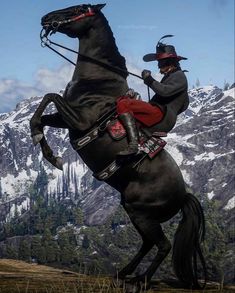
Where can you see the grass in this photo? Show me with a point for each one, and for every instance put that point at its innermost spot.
(20, 277)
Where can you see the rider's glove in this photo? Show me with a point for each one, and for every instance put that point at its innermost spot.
(130, 93)
(133, 95)
(146, 75)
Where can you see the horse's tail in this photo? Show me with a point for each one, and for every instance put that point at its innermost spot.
(190, 233)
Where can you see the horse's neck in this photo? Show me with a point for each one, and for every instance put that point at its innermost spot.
(98, 45)
(94, 88)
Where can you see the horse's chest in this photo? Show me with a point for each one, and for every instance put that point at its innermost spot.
(72, 91)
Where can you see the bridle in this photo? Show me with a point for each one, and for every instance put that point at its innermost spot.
(46, 42)
(56, 24)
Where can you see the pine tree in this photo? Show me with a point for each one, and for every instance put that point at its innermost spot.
(41, 181)
(215, 240)
(39, 226)
(36, 245)
(49, 245)
(85, 242)
(50, 250)
(42, 255)
(67, 250)
(11, 252)
(47, 237)
(78, 216)
(24, 250)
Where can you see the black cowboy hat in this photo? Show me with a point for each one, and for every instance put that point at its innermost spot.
(163, 51)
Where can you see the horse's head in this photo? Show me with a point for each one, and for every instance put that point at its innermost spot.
(72, 21)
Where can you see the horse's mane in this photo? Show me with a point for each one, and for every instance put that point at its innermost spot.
(113, 55)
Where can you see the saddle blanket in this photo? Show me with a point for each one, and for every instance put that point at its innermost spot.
(151, 147)
(148, 146)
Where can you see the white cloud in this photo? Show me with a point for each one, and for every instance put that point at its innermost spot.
(54, 80)
(13, 91)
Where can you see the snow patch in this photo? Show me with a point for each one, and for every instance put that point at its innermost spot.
(16, 166)
(29, 161)
(211, 156)
(205, 156)
(13, 186)
(230, 93)
(175, 153)
(72, 174)
(189, 163)
(18, 209)
(230, 204)
(211, 194)
(187, 178)
(211, 145)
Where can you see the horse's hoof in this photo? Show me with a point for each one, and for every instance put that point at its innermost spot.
(118, 283)
(140, 282)
(37, 138)
(59, 163)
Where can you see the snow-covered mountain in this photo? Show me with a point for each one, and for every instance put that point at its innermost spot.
(202, 143)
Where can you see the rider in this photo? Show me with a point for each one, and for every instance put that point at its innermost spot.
(170, 99)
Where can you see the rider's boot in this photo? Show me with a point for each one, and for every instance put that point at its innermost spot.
(128, 122)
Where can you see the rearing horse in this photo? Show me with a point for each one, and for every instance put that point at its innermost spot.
(152, 193)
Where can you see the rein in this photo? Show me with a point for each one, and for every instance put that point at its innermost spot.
(46, 42)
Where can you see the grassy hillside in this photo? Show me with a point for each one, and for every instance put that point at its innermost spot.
(21, 277)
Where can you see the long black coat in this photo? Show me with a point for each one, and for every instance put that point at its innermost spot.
(171, 96)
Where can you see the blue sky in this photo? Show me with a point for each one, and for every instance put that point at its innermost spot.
(203, 29)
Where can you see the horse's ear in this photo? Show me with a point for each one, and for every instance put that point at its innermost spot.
(98, 7)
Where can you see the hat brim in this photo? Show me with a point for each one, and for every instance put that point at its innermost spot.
(153, 57)
(150, 57)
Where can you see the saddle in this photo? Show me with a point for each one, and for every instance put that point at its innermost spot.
(150, 144)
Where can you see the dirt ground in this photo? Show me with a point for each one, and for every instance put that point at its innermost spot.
(21, 277)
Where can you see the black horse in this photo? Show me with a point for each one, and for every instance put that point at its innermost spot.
(153, 192)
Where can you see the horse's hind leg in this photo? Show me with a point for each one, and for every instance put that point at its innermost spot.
(129, 269)
(153, 232)
(164, 247)
(145, 248)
